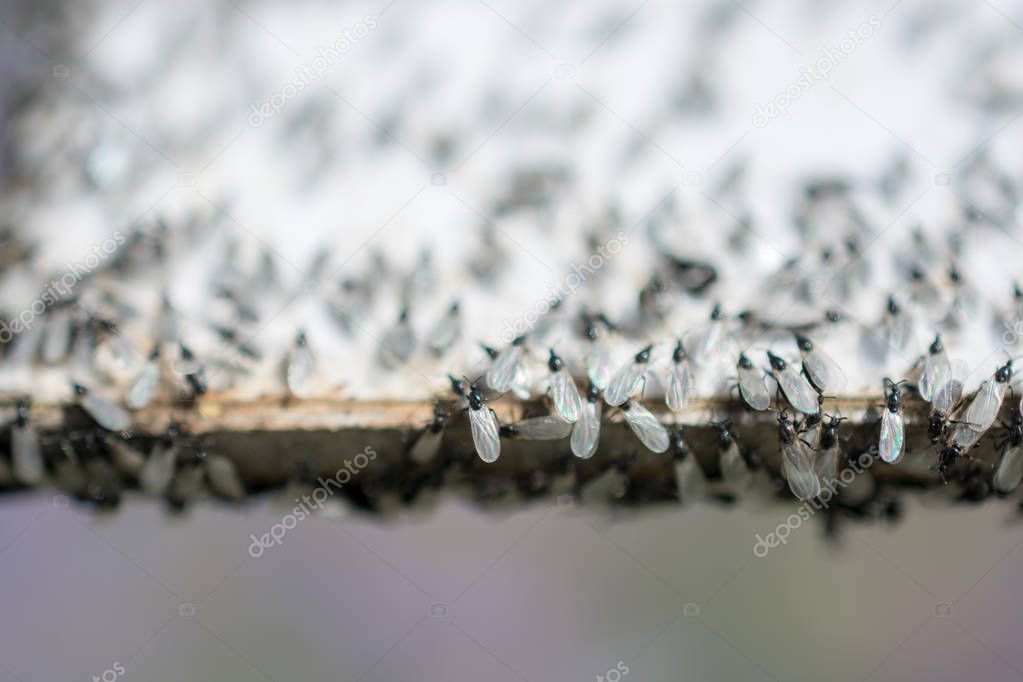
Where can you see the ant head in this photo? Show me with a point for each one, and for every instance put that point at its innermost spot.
(805, 344)
(744, 362)
(457, 385)
(778, 363)
(475, 399)
(936, 345)
(1004, 373)
(679, 354)
(643, 356)
(593, 393)
(554, 362)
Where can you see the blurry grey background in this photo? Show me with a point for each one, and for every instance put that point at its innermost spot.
(540, 593)
(543, 592)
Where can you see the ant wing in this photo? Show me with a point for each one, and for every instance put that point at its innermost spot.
(689, 480)
(110, 416)
(158, 470)
(485, 436)
(824, 372)
(144, 388)
(598, 365)
(646, 427)
(223, 478)
(798, 391)
(799, 470)
(426, 446)
(981, 413)
(299, 371)
(26, 456)
(936, 372)
(892, 436)
(502, 373)
(948, 394)
(566, 396)
(586, 432)
(734, 471)
(1010, 469)
(550, 427)
(680, 386)
(826, 465)
(624, 383)
(753, 388)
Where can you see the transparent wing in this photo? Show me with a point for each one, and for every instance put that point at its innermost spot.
(586, 432)
(900, 332)
(824, 371)
(892, 436)
(58, 336)
(624, 383)
(550, 427)
(1010, 469)
(598, 365)
(502, 373)
(300, 371)
(520, 384)
(646, 427)
(734, 471)
(26, 456)
(110, 416)
(223, 478)
(826, 465)
(565, 395)
(144, 388)
(680, 386)
(754, 389)
(936, 372)
(981, 413)
(445, 333)
(689, 481)
(950, 391)
(965, 436)
(426, 446)
(798, 465)
(399, 342)
(158, 470)
(484, 434)
(798, 391)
